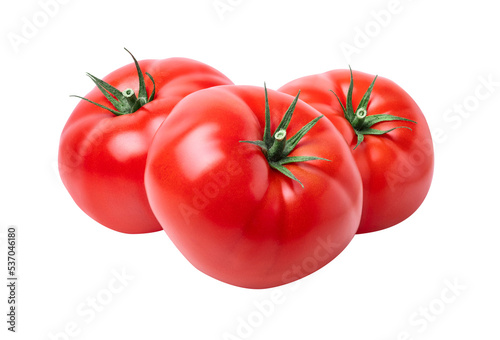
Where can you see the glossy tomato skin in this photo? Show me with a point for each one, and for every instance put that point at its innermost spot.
(102, 156)
(231, 215)
(396, 167)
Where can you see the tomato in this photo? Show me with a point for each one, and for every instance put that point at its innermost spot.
(103, 148)
(388, 135)
(247, 207)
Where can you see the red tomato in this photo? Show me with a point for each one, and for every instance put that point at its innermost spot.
(233, 209)
(102, 155)
(395, 159)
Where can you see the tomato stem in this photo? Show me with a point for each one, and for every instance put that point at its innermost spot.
(360, 121)
(130, 97)
(123, 102)
(276, 147)
(276, 151)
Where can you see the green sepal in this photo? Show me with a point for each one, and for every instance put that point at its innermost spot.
(142, 85)
(279, 165)
(153, 93)
(374, 119)
(268, 138)
(285, 171)
(292, 142)
(369, 131)
(255, 142)
(121, 104)
(366, 97)
(362, 125)
(295, 159)
(283, 125)
(118, 113)
(114, 95)
(277, 150)
(349, 110)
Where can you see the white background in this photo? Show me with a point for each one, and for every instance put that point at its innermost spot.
(389, 285)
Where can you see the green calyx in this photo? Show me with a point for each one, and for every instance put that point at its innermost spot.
(276, 147)
(360, 121)
(123, 102)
